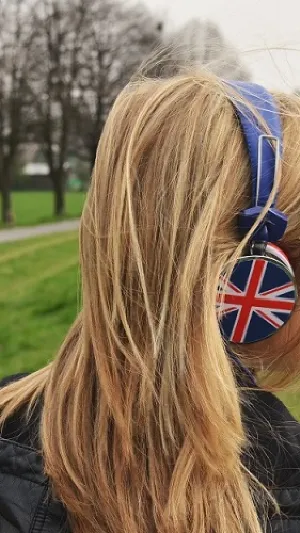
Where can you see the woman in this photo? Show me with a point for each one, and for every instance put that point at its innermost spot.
(149, 420)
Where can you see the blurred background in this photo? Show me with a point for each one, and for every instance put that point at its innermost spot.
(62, 64)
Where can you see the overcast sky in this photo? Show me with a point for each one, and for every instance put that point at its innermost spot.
(250, 25)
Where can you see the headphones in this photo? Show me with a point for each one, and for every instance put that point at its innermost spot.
(261, 293)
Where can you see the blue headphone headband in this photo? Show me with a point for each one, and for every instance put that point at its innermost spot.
(264, 148)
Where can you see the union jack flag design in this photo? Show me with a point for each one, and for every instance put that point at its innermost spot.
(258, 299)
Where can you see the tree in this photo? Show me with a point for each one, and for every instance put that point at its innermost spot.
(201, 44)
(62, 64)
(80, 67)
(120, 39)
(16, 40)
(62, 33)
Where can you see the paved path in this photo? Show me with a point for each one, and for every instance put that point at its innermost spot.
(19, 234)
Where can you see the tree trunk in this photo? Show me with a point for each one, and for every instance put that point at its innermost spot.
(59, 195)
(7, 216)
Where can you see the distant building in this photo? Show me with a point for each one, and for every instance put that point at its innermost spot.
(36, 169)
(33, 173)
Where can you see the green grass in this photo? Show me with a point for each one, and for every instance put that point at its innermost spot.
(292, 401)
(38, 299)
(32, 208)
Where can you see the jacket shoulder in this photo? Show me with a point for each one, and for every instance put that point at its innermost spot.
(274, 437)
(274, 455)
(20, 428)
(26, 501)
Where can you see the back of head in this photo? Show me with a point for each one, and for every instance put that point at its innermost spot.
(155, 236)
(143, 384)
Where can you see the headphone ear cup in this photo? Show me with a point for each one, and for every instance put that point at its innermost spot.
(278, 254)
(259, 298)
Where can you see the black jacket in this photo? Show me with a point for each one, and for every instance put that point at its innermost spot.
(27, 505)
(26, 502)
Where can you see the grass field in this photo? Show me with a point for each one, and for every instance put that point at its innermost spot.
(33, 208)
(38, 299)
(292, 400)
(39, 280)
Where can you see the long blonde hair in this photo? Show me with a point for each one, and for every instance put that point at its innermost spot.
(141, 427)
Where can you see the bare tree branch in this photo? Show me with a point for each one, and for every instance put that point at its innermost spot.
(202, 44)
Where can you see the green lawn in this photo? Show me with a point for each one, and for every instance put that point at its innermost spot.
(38, 299)
(292, 401)
(33, 208)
